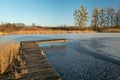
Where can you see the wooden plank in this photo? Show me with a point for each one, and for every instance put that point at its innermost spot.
(52, 41)
(45, 41)
(42, 75)
(35, 64)
(35, 58)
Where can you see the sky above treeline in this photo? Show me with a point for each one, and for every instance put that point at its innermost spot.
(48, 12)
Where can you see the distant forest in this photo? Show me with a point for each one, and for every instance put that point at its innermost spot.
(100, 20)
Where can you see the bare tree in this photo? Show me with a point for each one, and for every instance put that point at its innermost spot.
(117, 18)
(81, 16)
(95, 17)
(102, 18)
(110, 18)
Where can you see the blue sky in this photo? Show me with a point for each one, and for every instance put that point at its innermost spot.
(47, 12)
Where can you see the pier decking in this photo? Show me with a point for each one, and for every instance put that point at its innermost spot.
(32, 63)
(48, 41)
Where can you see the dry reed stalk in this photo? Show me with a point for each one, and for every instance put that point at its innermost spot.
(8, 52)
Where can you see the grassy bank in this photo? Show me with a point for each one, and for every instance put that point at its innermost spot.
(47, 31)
(111, 30)
(8, 52)
(59, 30)
(50, 31)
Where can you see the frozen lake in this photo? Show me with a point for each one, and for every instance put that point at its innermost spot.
(86, 57)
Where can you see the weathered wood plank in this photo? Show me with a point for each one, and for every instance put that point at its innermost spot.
(41, 75)
(36, 64)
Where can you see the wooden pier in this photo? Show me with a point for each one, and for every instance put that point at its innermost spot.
(32, 63)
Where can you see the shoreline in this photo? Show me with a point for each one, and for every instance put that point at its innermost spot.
(48, 31)
(45, 32)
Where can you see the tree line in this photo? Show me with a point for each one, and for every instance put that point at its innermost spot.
(100, 17)
(9, 27)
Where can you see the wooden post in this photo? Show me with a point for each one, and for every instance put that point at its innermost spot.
(42, 52)
(53, 44)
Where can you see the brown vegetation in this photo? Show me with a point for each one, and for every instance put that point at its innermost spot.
(54, 30)
(8, 52)
(9, 28)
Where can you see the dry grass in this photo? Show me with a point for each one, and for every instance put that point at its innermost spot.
(8, 52)
(2, 33)
(112, 30)
(46, 31)
(51, 31)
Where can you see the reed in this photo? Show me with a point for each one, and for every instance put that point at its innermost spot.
(51, 31)
(8, 52)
